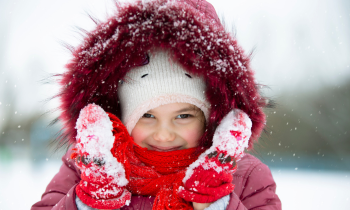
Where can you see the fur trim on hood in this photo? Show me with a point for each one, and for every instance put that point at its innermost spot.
(191, 30)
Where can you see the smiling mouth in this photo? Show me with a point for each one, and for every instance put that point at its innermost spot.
(164, 149)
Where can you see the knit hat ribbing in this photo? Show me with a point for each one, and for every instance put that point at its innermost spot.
(161, 81)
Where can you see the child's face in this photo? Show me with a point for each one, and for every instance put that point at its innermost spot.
(170, 127)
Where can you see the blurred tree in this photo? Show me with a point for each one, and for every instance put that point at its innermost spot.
(310, 129)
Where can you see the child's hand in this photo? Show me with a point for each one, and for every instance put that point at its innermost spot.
(103, 177)
(210, 177)
(207, 185)
(200, 206)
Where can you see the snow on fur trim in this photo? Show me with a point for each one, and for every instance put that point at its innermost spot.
(195, 38)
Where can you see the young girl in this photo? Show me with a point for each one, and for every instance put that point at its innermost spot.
(159, 103)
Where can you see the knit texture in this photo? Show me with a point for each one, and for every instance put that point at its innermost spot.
(207, 185)
(209, 178)
(220, 204)
(162, 181)
(161, 81)
(154, 173)
(166, 162)
(173, 177)
(103, 178)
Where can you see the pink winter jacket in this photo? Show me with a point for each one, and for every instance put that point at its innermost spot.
(254, 188)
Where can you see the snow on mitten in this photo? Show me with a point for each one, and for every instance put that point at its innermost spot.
(103, 180)
(210, 177)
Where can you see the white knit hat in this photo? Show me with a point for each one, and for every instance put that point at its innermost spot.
(161, 81)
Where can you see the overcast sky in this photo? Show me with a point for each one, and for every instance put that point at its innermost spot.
(299, 45)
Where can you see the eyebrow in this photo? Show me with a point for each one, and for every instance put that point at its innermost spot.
(186, 109)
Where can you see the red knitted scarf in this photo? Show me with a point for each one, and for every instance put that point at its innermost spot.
(152, 173)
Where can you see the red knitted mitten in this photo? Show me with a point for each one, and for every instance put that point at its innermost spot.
(206, 186)
(103, 180)
(210, 177)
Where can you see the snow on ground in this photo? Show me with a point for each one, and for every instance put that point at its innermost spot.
(312, 189)
(22, 183)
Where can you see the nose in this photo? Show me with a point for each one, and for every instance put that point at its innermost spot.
(164, 135)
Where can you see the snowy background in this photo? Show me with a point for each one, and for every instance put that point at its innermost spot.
(301, 52)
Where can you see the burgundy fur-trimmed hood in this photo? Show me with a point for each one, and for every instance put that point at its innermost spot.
(191, 30)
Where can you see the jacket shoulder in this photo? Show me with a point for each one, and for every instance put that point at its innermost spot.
(247, 164)
(61, 187)
(68, 175)
(254, 185)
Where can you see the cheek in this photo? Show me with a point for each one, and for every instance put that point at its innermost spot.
(139, 135)
(192, 136)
